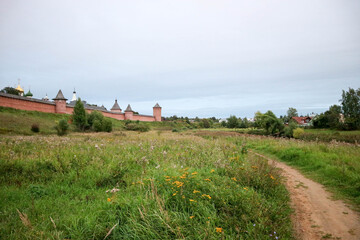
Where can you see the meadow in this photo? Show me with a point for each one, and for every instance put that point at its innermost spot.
(130, 185)
(336, 165)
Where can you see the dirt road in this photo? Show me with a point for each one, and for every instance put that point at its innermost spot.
(316, 215)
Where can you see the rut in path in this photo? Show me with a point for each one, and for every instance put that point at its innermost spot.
(316, 215)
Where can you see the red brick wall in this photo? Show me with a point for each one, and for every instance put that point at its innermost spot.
(143, 118)
(26, 105)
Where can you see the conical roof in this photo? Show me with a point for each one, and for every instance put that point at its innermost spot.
(128, 109)
(29, 94)
(116, 106)
(157, 105)
(19, 88)
(60, 96)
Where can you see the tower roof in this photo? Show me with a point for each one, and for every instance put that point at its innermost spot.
(60, 96)
(128, 109)
(157, 105)
(116, 106)
(19, 88)
(29, 94)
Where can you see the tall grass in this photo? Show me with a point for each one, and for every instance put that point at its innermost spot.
(155, 185)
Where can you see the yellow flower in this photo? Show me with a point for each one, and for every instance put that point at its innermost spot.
(271, 176)
(234, 178)
(245, 188)
(208, 179)
(191, 217)
(183, 197)
(168, 179)
(191, 200)
(219, 230)
(196, 191)
(174, 194)
(205, 195)
(212, 170)
(109, 199)
(194, 173)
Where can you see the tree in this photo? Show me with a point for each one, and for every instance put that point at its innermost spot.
(329, 119)
(10, 90)
(291, 112)
(79, 115)
(205, 123)
(269, 122)
(351, 107)
(232, 122)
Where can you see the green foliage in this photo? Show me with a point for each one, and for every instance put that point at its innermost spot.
(232, 122)
(10, 90)
(79, 116)
(329, 119)
(35, 128)
(107, 125)
(269, 122)
(62, 127)
(148, 186)
(351, 107)
(205, 123)
(136, 126)
(298, 132)
(98, 122)
(288, 131)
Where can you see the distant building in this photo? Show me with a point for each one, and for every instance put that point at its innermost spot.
(302, 121)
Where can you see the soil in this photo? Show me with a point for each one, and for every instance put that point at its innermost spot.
(316, 214)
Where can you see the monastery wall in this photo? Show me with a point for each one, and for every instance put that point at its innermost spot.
(28, 104)
(31, 104)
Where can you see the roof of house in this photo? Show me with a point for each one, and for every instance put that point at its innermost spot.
(60, 96)
(301, 120)
(157, 105)
(116, 106)
(128, 109)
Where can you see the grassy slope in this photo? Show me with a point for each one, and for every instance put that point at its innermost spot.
(13, 121)
(170, 186)
(334, 165)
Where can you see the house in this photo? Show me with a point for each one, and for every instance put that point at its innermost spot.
(302, 121)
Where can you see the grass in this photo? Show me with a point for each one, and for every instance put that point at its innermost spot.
(19, 122)
(154, 185)
(335, 165)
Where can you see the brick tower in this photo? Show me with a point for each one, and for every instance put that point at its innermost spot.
(157, 112)
(60, 103)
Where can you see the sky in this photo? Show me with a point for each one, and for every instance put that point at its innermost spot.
(194, 57)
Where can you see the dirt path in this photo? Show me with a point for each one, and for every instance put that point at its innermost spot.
(316, 215)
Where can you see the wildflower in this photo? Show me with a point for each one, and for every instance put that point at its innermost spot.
(245, 188)
(183, 197)
(219, 230)
(191, 217)
(192, 200)
(212, 170)
(109, 199)
(234, 178)
(271, 176)
(168, 179)
(196, 191)
(207, 179)
(208, 217)
(182, 177)
(205, 195)
(194, 173)
(174, 194)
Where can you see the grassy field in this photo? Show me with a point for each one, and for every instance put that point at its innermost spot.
(155, 185)
(19, 122)
(335, 165)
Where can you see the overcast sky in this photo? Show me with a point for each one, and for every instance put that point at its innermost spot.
(195, 58)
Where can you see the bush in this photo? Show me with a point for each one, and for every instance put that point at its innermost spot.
(107, 125)
(62, 127)
(298, 132)
(79, 116)
(35, 128)
(97, 125)
(289, 130)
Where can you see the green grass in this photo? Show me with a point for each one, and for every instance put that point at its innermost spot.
(18, 122)
(168, 186)
(335, 165)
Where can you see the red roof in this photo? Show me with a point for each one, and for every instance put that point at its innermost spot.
(302, 120)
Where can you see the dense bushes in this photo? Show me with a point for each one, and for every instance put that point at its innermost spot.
(62, 127)
(35, 128)
(136, 126)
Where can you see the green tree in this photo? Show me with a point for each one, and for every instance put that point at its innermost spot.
(79, 116)
(62, 127)
(232, 122)
(269, 122)
(205, 123)
(351, 107)
(329, 119)
(10, 90)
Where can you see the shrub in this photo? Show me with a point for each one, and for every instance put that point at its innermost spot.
(107, 125)
(289, 130)
(137, 127)
(62, 127)
(298, 132)
(35, 128)
(97, 125)
(79, 115)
